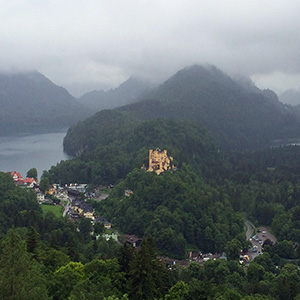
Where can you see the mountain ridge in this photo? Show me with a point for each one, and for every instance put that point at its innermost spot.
(236, 118)
(127, 92)
(228, 111)
(31, 103)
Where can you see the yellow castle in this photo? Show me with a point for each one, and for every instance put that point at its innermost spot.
(159, 161)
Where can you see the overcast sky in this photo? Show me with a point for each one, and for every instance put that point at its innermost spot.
(94, 44)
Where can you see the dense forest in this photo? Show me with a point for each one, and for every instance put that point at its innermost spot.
(114, 153)
(177, 209)
(54, 258)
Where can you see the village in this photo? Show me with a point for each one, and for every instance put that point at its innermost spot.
(70, 200)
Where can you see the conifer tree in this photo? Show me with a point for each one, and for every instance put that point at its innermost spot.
(32, 241)
(148, 278)
(20, 277)
(32, 173)
(126, 258)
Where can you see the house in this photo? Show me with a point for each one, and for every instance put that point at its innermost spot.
(106, 224)
(16, 176)
(89, 215)
(128, 192)
(81, 209)
(40, 197)
(61, 194)
(195, 255)
(133, 240)
(26, 182)
(30, 182)
(81, 188)
(112, 236)
(51, 190)
(73, 193)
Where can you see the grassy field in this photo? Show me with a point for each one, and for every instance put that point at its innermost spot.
(56, 209)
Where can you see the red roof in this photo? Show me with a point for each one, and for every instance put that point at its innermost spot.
(16, 175)
(29, 180)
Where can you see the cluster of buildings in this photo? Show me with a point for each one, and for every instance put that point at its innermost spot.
(80, 208)
(25, 182)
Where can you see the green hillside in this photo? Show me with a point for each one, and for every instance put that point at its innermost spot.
(177, 209)
(119, 146)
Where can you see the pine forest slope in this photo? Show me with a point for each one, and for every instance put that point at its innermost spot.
(119, 147)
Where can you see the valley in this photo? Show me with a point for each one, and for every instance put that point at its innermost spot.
(186, 162)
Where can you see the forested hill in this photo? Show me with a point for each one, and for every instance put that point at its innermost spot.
(31, 103)
(120, 146)
(238, 116)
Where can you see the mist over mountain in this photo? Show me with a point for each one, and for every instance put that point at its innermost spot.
(235, 116)
(291, 97)
(126, 93)
(31, 103)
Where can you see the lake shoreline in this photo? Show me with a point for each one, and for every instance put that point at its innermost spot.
(40, 151)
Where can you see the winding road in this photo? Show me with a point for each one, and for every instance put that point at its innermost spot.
(250, 230)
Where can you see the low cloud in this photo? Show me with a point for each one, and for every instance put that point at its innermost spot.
(85, 45)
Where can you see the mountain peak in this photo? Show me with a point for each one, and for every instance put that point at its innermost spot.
(36, 102)
(202, 75)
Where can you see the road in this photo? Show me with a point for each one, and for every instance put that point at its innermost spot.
(66, 208)
(250, 230)
(262, 234)
(101, 197)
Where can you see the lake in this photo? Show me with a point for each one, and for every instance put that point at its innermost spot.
(40, 151)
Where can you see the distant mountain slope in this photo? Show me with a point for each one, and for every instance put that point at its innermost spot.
(291, 97)
(126, 93)
(237, 117)
(32, 103)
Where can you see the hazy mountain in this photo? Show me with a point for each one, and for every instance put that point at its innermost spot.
(31, 103)
(291, 97)
(248, 85)
(238, 118)
(126, 93)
